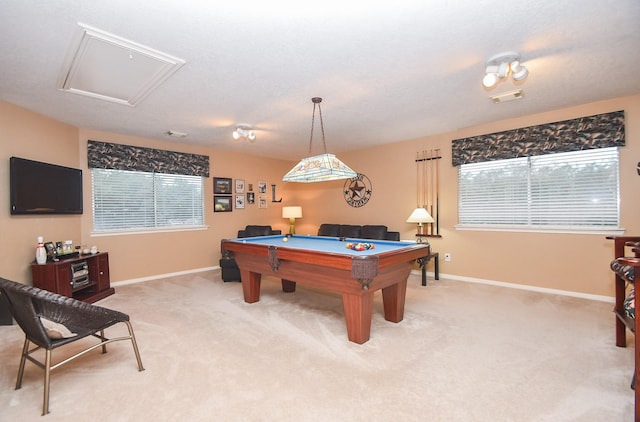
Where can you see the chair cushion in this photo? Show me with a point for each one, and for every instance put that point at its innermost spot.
(348, 230)
(374, 232)
(56, 330)
(624, 271)
(332, 230)
(629, 304)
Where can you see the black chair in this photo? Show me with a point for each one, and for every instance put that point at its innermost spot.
(50, 320)
(331, 230)
(379, 232)
(228, 266)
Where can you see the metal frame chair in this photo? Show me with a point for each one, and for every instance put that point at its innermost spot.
(28, 304)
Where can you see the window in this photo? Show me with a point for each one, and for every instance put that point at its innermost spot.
(569, 190)
(134, 200)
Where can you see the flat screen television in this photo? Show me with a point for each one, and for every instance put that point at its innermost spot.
(43, 188)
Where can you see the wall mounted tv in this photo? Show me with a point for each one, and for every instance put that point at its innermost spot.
(43, 188)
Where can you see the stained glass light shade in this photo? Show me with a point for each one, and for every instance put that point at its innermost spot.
(319, 168)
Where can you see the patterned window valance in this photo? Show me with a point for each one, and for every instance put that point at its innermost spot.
(599, 131)
(105, 155)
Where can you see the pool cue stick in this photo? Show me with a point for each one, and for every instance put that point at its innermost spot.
(425, 193)
(422, 176)
(431, 185)
(418, 184)
(437, 191)
(421, 193)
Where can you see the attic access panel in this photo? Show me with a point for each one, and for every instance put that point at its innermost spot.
(111, 68)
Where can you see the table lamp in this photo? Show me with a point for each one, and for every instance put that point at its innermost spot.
(292, 213)
(420, 215)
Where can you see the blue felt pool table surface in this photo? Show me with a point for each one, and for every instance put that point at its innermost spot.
(326, 244)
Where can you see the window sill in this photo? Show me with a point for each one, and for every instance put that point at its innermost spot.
(608, 231)
(100, 233)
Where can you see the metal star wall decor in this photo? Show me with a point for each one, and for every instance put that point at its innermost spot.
(357, 191)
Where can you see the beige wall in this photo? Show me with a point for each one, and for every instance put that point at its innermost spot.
(572, 262)
(31, 136)
(576, 263)
(143, 255)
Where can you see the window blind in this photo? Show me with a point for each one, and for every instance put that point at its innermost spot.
(573, 189)
(130, 200)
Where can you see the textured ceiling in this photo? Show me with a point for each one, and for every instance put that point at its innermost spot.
(387, 71)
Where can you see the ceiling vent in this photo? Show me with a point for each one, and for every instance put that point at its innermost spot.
(111, 68)
(507, 96)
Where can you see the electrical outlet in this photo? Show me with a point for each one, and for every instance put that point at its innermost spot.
(447, 257)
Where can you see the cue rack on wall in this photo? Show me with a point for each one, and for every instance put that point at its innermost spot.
(428, 187)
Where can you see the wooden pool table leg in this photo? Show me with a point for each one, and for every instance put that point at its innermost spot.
(250, 285)
(358, 311)
(393, 298)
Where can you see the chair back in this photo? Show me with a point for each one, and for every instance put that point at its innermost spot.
(374, 232)
(22, 304)
(332, 230)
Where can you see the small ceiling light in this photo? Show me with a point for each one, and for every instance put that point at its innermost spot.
(245, 132)
(319, 168)
(490, 79)
(518, 72)
(500, 66)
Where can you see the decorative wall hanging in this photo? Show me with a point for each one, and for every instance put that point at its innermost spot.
(273, 194)
(262, 186)
(222, 203)
(239, 185)
(222, 185)
(428, 189)
(239, 202)
(357, 191)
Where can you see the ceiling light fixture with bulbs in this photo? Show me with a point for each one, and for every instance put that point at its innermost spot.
(319, 168)
(245, 132)
(500, 66)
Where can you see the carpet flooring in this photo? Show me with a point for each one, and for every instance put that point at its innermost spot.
(464, 352)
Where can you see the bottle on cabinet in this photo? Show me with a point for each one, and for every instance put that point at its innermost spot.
(41, 252)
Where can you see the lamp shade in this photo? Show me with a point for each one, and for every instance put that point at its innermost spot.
(420, 215)
(292, 212)
(319, 168)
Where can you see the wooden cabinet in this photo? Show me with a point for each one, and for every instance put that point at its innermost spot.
(84, 278)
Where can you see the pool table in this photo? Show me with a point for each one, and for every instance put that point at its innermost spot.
(327, 263)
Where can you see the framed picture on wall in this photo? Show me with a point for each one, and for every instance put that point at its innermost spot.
(222, 185)
(262, 186)
(239, 185)
(222, 203)
(262, 202)
(251, 198)
(239, 202)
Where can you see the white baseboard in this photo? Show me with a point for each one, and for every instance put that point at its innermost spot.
(599, 298)
(431, 276)
(155, 277)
